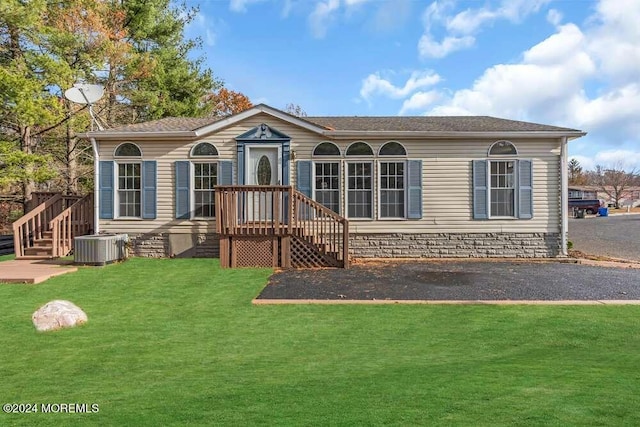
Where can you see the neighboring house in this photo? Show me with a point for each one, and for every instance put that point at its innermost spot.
(583, 192)
(408, 186)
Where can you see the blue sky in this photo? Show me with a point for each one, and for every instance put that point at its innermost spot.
(573, 63)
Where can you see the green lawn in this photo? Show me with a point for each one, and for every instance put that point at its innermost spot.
(177, 342)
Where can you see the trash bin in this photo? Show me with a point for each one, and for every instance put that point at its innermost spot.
(603, 211)
(580, 213)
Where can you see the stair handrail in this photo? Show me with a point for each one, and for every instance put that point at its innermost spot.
(76, 220)
(319, 226)
(34, 223)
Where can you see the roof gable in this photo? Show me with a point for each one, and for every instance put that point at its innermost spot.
(264, 132)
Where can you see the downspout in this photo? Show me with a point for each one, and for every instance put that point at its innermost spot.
(564, 194)
(96, 188)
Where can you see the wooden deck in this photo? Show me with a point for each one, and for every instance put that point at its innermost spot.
(277, 226)
(32, 271)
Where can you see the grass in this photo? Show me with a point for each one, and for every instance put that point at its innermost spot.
(177, 342)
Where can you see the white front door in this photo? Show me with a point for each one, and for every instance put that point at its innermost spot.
(263, 167)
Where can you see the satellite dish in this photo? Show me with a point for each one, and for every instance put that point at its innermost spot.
(83, 93)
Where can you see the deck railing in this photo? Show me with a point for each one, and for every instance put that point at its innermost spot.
(279, 210)
(76, 220)
(253, 210)
(321, 227)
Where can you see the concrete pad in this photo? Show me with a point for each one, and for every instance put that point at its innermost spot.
(32, 271)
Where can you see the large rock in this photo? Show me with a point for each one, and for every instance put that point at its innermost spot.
(58, 314)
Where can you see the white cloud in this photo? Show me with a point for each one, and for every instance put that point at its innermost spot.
(428, 47)
(419, 101)
(554, 17)
(207, 28)
(321, 17)
(241, 5)
(618, 158)
(376, 84)
(555, 82)
(461, 27)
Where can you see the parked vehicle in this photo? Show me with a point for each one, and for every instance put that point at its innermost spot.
(590, 206)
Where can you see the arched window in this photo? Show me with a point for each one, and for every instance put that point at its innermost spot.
(128, 149)
(392, 179)
(392, 148)
(204, 149)
(359, 149)
(502, 148)
(326, 149)
(128, 180)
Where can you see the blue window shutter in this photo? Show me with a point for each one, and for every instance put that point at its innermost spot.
(225, 172)
(414, 180)
(106, 189)
(525, 189)
(480, 199)
(149, 197)
(183, 190)
(303, 177)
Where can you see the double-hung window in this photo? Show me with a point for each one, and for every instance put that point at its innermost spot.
(129, 190)
(503, 188)
(205, 178)
(392, 195)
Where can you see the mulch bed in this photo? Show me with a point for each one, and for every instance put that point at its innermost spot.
(456, 280)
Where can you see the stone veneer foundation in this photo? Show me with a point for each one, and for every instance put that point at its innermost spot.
(455, 245)
(174, 245)
(388, 245)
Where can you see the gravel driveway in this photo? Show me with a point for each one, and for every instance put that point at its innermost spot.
(458, 280)
(613, 236)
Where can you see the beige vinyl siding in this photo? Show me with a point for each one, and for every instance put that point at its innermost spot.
(446, 191)
(447, 188)
(166, 152)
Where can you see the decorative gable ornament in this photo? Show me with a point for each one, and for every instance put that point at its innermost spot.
(264, 132)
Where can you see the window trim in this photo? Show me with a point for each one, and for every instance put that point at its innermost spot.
(349, 156)
(390, 156)
(373, 189)
(515, 149)
(323, 156)
(115, 150)
(392, 159)
(192, 187)
(203, 156)
(116, 174)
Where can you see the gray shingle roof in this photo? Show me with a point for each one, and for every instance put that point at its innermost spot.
(432, 124)
(366, 123)
(168, 124)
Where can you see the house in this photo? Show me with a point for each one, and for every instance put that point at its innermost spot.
(244, 187)
(583, 192)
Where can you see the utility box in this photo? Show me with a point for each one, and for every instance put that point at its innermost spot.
(101, 249)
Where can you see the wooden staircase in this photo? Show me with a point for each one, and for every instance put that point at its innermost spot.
(278, 226)
(48, 230)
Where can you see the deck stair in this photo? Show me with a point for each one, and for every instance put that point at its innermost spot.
(278, 226)
(48, 230)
